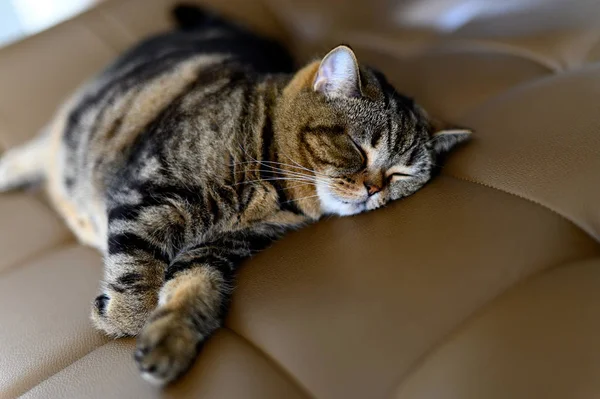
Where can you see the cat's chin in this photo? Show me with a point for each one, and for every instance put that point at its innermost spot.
(332, 205)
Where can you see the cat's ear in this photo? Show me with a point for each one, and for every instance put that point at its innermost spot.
(444, 136)
(444, 140)
(338, 74)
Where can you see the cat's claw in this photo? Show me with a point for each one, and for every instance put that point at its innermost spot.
(166, 348)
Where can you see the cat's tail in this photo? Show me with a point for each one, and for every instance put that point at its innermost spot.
(25, 165)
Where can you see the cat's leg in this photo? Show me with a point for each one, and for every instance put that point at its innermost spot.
(140, 241)
(192, 305)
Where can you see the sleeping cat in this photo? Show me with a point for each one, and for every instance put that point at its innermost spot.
(197, 149)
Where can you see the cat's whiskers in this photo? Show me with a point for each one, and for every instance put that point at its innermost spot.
(332, 185)
(294, 174)
(274, 178)
(297, 165)
(300, 175)
(304, 181)
(322, 181)
(299, 199)
(304, 175)
(302, 168)
(297, 185)
(268, 163)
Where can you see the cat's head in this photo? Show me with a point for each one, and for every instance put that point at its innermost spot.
(366, 143)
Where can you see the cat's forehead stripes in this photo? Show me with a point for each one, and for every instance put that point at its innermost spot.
(377, 157)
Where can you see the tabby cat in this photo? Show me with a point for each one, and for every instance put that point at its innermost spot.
(197, 149)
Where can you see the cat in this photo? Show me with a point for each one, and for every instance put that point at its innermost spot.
(197, 149)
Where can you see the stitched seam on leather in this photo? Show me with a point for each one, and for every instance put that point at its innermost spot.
(470, 318)
(473, 46)
(510, 49)
(282, 371)
(110, 16)
(523, 86)
(99, 38)
(38, 254)
(534, 201)
(77, 359)
(276, 365)
(500, 49)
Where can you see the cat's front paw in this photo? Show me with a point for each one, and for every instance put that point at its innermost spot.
(166, 347)
(119, 315)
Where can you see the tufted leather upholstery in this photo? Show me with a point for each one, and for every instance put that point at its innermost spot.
(486, 284)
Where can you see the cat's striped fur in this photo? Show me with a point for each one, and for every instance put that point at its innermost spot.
(195, 150)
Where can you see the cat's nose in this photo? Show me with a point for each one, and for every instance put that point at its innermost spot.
(372, 189)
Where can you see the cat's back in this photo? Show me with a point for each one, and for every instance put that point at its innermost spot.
(139, 85)
(95, 132)
(107, 115)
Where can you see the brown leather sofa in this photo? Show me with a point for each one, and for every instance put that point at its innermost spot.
(484, 285)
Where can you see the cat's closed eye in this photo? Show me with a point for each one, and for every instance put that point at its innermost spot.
(361, 151)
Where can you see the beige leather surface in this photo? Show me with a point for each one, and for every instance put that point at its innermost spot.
(547, 150)
(28, 229)
(483, 285)
(43, 306)
(537, 341)
(229, 368)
